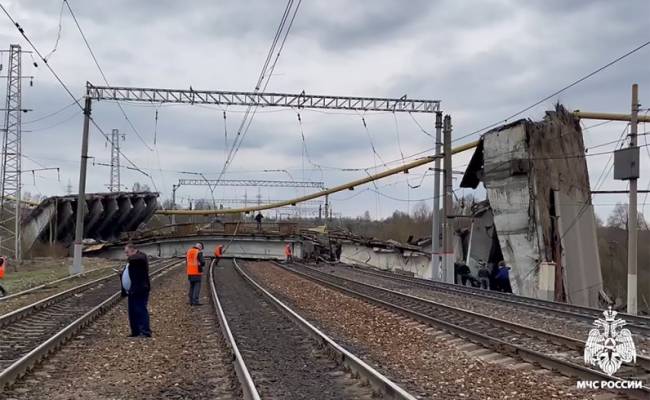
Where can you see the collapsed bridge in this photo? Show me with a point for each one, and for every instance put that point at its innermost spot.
(107, 216)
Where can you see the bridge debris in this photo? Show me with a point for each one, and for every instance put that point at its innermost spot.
(537, 183)
(107, 216)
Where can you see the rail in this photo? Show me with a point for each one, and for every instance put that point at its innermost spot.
(378, 381)
(479, 337)
(21, 366)
(48, 284)
(244, 377)
(640, 323)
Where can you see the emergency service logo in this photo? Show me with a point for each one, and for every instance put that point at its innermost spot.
(608, 346)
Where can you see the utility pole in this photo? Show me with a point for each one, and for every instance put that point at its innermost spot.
(448, 247)
(327, 207)
(10, 235)
(436, 273)
(77, 266)
(632, 214)
(114, 185)
(174, 188)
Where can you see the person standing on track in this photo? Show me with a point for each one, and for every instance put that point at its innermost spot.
(288, 253)
(503, 278)
(3, 267)
(195, 263)
(136, 285)
(218, 253)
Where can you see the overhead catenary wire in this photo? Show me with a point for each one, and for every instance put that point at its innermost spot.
(101, 71)
(555, 93)
(265, 73)
(52, 114)
(58, 33)
(62, 84)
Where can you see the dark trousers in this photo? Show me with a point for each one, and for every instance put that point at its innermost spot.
(503, 285)
(195, 288)
(138, 314)
(4, 292)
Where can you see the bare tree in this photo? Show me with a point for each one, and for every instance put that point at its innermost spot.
(618, 218)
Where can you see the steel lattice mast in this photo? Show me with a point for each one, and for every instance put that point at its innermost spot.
(114, 185)
(11, 159)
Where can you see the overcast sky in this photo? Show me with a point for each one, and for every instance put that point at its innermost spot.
(483, 59)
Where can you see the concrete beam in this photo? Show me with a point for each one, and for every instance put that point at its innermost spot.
(240, 247)
(110, 213)
(95, 214)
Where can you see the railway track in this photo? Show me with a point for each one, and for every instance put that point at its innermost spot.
(551, 351)
(31, 333)
(279, 355)
(637, 324)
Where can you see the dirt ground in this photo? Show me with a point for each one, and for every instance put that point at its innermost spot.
(185, 359)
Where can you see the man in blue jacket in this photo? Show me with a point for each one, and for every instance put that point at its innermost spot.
(136, 285)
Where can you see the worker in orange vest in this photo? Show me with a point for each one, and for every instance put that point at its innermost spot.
(195, 263)
(3, 265)
(218, 253)
(288, 253)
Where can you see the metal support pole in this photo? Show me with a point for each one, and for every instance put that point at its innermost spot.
(327, 207)
(77, 267)
(174, 188)
(469, 245)
(448, 249)
(436, 273)
(632, 215)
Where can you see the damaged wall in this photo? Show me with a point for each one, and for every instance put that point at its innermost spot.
(392, 259)
(537, 185)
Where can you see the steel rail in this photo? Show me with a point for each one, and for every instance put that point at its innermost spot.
(378, 381)
(498, 345)
(581, 312)
(245, 380)
(22, 312)
(48, 284)
(21, 366)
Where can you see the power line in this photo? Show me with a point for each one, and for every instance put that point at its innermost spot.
(63, 85)
(246, 121)
(101, 71)
(52, 113)
(574, 83)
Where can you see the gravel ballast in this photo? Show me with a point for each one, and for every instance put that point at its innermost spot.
(423, 360)
(559, 324)
(185, 359)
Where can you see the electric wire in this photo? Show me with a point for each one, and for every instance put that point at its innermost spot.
(63, 85)
(101, 71)
(58, 33)
(52, 113)
(574, 83)
(246, 121)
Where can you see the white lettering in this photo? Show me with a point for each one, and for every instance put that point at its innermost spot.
(595, 385)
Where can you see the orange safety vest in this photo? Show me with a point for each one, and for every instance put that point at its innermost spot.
(192, 259)
(218, 251)
(2, 271)
(287, 250)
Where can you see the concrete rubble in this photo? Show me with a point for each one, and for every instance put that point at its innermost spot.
(107, 216)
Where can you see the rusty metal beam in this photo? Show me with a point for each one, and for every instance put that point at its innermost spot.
(346, 186)
(609, 116)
